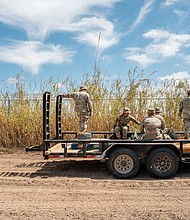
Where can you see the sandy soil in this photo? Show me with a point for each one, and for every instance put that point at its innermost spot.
(33, 188)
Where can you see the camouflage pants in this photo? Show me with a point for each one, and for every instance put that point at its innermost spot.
(124, 130)
(83, 120)
(152, 134)
(187, 127)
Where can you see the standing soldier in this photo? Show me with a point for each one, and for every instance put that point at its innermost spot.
(184, 107)
(83, 106)
(151, 126)
(121, 123)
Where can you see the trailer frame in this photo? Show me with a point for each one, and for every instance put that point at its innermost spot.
(128, 153)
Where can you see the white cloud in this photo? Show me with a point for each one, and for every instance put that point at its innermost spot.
(170, 2)
(165, 45)
(90, 28)
(176, 76)
(145, 9)
(138, 55)
(40, 18)
(182, 15)
(31, 55)
(157, 35)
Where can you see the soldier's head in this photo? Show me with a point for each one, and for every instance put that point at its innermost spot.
(157, 110)
(83, 88)
(151, 111)
(126, 111)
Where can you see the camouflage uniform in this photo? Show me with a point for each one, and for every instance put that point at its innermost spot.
(157, 114)
(83, 106)
(121, 124)
(184, 107)
(151, 126)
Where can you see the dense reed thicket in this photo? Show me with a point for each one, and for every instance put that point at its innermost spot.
(21, 107)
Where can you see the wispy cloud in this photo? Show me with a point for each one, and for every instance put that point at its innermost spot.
(31, 55)
(41, 18)
(84, 19)
(145, 9)
(176, 76)
(170, 2)
(88, 30)
(182, 15)
(164, 45)
(138, 55)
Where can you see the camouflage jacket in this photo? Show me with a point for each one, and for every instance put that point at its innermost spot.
(122, 120)
(151, 126)
(163, 125)
(82, 100)
(184, 107)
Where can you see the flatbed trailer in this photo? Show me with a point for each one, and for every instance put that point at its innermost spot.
(123, 156)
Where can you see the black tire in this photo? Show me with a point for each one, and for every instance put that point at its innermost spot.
(123, 163)
(162, 163)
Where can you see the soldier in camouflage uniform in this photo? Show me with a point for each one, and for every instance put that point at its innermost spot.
(184, 107)
(121, 123)
(157, 114)
(83, 106)
(151, 126)
(167, 132)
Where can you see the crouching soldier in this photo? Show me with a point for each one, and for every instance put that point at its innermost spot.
(151, 126)
(121, 126)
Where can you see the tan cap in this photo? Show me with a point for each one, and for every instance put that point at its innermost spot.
(82, 88)
(188, 90)
(126, 110)
(157, 109)
(151, 110)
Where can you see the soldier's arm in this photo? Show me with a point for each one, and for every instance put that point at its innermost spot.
(163, 125)
(116, 121)
(134, 120)
(69, 95)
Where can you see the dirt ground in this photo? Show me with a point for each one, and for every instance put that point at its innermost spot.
(34, 188)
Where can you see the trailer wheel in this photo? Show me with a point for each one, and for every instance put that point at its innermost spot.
(162, 163)
(123, 163)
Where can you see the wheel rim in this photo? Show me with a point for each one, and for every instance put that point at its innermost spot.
(162, 163)
(123, 164)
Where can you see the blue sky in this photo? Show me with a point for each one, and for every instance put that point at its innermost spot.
(59, 38)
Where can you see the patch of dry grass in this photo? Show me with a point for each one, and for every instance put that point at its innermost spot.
(21, 119)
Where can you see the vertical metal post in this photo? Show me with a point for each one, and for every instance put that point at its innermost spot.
(46, 116)
(65, 149)
(84, 150)
(58, 117)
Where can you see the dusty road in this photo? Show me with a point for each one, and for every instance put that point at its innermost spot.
(32, 188)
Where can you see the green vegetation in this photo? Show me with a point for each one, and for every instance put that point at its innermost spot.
(21, 108)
